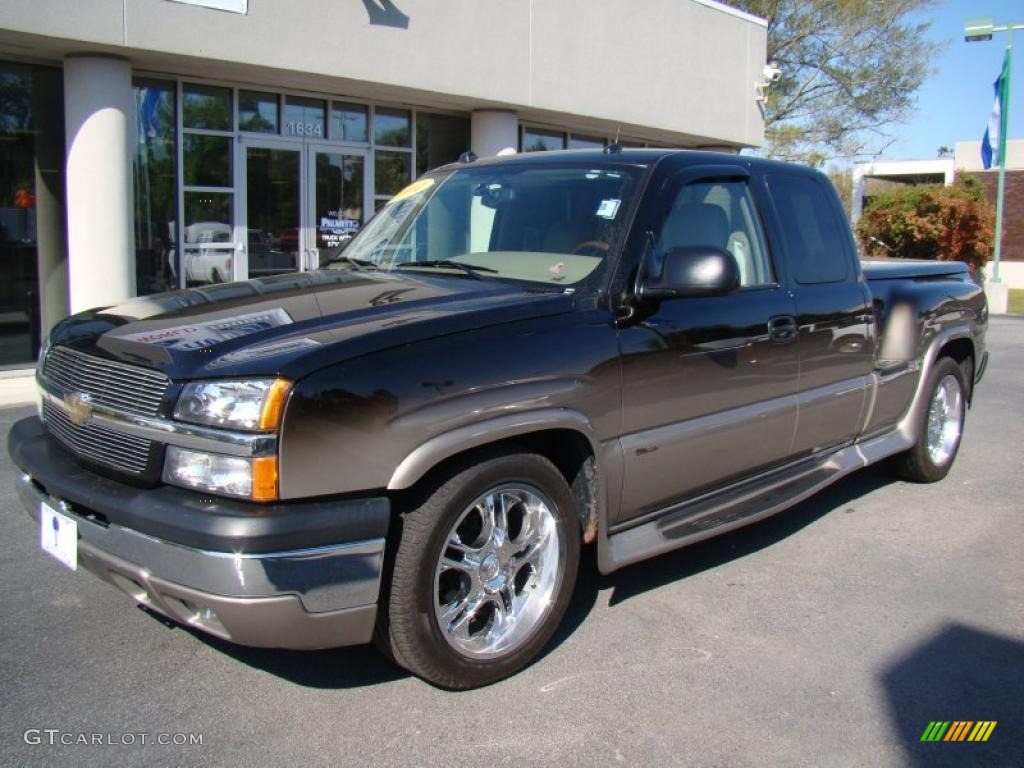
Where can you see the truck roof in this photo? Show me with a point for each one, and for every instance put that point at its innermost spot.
(642, 157)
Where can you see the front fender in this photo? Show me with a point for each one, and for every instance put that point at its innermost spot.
(431, 453)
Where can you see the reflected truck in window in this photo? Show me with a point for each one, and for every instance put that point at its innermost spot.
(515, 358)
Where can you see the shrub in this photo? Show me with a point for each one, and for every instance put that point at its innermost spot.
(930, 221)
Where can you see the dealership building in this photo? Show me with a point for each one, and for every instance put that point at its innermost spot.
(148, 145)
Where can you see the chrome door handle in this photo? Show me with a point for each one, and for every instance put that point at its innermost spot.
(782, 329)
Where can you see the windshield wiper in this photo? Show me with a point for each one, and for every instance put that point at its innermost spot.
(469, 269)
(358, 264)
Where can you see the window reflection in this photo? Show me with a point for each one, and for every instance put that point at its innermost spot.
(272, 205)
(304, 117)
(537, 140)
(257, 112)
(155, 199)
(391, 127)
(207, 160)
(19, 289)
(206, 106)
(393, 171)
(209, 250)
(339, 200)
(349, 122)
(585, 142)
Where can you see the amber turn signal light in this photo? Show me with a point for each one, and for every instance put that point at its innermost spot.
(273, 404)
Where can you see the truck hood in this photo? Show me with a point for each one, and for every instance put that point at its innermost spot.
(291, 325)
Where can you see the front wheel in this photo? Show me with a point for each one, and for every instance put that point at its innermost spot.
(940, 425)
(484, 571)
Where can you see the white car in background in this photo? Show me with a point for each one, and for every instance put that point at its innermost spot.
(209, 251)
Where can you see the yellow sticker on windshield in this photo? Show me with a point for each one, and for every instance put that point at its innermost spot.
(412, 189)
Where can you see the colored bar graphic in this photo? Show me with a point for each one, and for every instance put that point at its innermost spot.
(958, 730)
(982, 730)
(935, 730)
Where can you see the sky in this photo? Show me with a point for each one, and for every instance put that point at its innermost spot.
(955, 101)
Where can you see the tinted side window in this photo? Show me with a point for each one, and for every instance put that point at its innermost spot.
(816, 245)
(720, 214)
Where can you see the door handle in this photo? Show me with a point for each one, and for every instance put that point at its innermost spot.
(782, 329)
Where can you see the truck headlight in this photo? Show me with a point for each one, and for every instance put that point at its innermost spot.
(246, 478)
(253, 405)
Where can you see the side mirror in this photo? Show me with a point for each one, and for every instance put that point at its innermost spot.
(691, 271)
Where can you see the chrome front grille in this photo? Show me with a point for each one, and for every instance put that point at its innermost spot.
(114, 385)
(104, 383)
(117, 450)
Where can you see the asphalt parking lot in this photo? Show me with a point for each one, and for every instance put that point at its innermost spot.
(829, 635)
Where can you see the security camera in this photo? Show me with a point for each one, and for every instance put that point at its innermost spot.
(771, 72)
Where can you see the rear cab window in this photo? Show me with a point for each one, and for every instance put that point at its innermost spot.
(816, 244)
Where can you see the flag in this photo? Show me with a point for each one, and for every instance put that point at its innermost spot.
(993, 145)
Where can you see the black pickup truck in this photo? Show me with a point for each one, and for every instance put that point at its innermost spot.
(516, 357)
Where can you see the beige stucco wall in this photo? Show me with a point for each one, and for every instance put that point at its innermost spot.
(680, 71)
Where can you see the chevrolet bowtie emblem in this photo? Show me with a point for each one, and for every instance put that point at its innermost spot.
(77, 407)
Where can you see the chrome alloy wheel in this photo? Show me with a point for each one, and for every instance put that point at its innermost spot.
(944, 418)
(499, 571)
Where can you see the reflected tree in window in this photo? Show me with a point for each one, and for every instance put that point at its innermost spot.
(155, 188)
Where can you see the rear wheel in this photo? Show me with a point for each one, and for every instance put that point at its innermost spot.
(940, 425)
(483, 572)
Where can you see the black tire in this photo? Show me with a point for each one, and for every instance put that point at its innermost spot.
(409, 628)
(917, 464)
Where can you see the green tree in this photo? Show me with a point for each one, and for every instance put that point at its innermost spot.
(850, 72)
(930, 221)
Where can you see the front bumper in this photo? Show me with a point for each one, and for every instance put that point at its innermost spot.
(256, 575)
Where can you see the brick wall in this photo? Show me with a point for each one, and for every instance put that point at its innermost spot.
(1013, 210)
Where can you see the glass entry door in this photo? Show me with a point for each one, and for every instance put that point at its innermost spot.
(338, 191)
(272, 215)
(301, 202)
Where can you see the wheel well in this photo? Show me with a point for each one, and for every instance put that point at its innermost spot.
(962, 351)
(567, 449)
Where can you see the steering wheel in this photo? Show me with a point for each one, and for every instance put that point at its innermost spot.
(588, 245)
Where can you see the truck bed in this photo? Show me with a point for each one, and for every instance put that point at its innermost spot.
(899, 269)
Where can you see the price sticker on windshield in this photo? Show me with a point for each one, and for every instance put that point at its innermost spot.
(608, 209)
(412, 189)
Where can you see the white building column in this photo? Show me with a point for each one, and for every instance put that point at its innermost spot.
(491, 131)
(99, 124)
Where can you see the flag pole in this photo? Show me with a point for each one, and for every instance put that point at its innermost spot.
(1004, 118)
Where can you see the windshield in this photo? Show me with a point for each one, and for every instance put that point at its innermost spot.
(552, 224)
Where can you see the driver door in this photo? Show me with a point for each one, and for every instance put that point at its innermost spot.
(710, 383)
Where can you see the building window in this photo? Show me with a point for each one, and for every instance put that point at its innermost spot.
(576, 141)
(391, 127)
(538, 140)
(305, 117)
(350, 122)
(156, 190)
(440, 139)
(189, 191)
(31, 203)
(392, 170)
(206, 107)
(258, 112)
(208, 184)
(393, 152)
(207, 160)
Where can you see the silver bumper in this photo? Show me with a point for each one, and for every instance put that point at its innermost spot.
(302, 599)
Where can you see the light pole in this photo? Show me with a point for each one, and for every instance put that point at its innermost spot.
(978, 30)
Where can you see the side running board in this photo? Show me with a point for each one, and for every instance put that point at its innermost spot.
(729, 508)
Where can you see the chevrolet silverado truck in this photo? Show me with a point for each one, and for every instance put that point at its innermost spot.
(516, 357)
